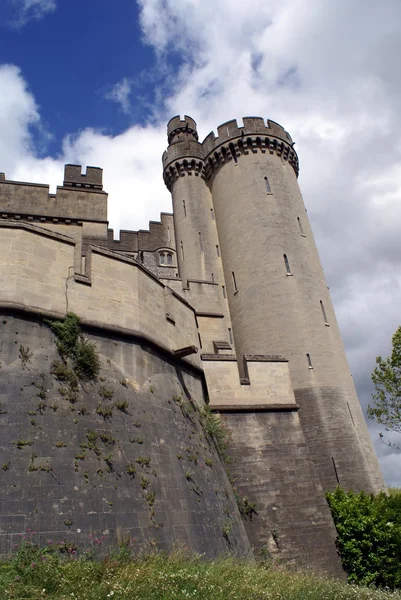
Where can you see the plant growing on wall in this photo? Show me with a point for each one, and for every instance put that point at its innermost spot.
(74, 348)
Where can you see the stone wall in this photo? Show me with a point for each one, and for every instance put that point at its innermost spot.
(271, 466)
(63, 491)
(115, 291)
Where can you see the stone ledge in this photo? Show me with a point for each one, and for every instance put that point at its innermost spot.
(254, 407)
(82, 279)
(96, 326)
(221, 345)
(38, 230)
(50, 218)
(203, 281)
(264, 358)
(219, 357)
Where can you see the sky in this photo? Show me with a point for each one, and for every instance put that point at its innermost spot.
(95, 82)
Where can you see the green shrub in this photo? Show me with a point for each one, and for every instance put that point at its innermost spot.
(245, 506)
(86, 359)
(105, 392)
(369, 536)
(122, 405)
(131, 470)
(104, 411)
(217, 429)
(72, 346)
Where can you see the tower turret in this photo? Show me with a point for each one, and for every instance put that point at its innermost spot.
(195, 231)
(278, 296)
(278, 299)
(178, 129)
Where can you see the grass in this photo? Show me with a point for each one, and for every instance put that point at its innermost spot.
(59, 575)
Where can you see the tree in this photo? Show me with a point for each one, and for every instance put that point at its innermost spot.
(368, 536)
(386, 377)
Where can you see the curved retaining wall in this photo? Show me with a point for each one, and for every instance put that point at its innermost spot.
(62, 491)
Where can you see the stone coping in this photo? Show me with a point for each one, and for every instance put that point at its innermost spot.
(98, 327)
(232, 408)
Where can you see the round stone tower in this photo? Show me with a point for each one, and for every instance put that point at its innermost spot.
(192, 203)
(277, 294)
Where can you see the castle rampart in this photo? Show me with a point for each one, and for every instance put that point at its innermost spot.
(115, 291)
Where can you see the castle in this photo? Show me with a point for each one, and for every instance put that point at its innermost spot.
(225, 303)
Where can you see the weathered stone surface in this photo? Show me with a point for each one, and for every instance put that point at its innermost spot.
(56, 488)
(272, 468)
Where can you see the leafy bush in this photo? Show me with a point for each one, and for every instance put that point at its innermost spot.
(217, 429)
(369, 536)
(72, 345)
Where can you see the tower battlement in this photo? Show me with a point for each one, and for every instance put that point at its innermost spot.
(252, 126)
(93, 178)
(178, 129)
(185, 155)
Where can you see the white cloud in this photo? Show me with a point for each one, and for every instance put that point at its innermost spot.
(31, 10)
(326, 71)
(120, 93)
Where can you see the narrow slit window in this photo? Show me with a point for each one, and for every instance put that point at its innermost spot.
(300, 227)
(212, 213)
(200, 242)
(335, 470)
(308, 358)
(223, 287)
(217, 251)
(182, 250)
(267, 184)
(352, 418)
(168, 234)
(287, 265)
(184, 207)
(234, 282)
(230, 335)
(213, 277)
(323, 313)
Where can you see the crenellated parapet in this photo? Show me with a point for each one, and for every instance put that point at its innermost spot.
(182, 167)
(92, 179)
(178, 129)
(186, 156)
(233, 149)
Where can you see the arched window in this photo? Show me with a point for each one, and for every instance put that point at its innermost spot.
(166, 258)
